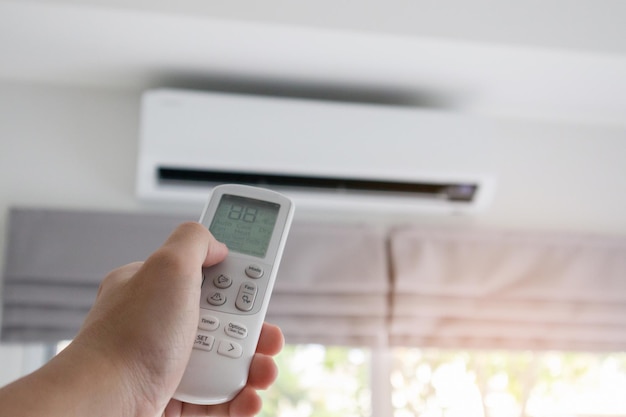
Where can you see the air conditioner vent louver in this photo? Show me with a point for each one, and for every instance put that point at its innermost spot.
(461, 192)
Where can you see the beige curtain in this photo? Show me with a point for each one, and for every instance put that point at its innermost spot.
(332, 286)
(508, 290)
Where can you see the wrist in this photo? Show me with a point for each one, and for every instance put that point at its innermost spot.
(75, 383)
(71, 384)
(95, 384)
(108, 385)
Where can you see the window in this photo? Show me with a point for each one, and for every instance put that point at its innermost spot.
(336, 381)
(317, 381)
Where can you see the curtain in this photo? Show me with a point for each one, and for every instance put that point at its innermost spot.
(513, 290)
(331, 288)
(341, 284)
(55, 261)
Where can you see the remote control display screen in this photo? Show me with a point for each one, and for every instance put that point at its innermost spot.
(245, 225)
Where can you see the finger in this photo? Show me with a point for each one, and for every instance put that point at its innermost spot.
(271, 340)
(246, 404)
(263, 372)
(188, 248)
(196, 241)
(173, 409)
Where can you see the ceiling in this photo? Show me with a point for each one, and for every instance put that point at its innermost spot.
(558, 60)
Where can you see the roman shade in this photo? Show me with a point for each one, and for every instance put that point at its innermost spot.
(56, 259)
(342, 284)
(331, 288)
(510, 290)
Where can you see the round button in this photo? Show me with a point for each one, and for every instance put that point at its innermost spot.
(254, 271)
(222, 281)
(216, 298)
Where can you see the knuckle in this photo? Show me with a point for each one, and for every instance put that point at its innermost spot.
(191, 227)
(167, 259)
(118, 276)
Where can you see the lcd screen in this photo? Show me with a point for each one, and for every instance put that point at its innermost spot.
(245, 225)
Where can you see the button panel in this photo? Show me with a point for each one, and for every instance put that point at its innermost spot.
(235, 286)
(206, 336)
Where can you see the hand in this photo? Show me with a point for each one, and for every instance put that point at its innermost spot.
(247, 403)
(131, 352)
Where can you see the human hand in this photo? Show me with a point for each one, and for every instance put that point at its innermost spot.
(247, 403)
(148, 313)
(133, 347)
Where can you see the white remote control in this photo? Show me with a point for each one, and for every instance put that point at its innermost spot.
(254, 224)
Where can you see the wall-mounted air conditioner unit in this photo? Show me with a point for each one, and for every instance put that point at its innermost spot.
(325, 154)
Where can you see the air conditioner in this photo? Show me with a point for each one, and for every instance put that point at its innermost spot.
(325, 154)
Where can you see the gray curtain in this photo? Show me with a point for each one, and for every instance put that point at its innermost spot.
(332, 285)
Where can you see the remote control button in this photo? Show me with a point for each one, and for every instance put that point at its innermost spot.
(248, 287)
(208, 322)
(216, 298)
(254, 271)
(236, 330)
(230, 349)
(222, 281)
(204, 341)
(246, 296)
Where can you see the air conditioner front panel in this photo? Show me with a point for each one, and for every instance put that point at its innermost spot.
(218, 132)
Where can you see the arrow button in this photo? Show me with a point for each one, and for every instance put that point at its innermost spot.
(229, 349)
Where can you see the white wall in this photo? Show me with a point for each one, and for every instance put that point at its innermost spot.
(67, 148)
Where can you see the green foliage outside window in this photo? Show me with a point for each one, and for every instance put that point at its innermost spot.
(319, 381)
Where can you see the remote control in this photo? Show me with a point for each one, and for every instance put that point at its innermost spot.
(254, 224)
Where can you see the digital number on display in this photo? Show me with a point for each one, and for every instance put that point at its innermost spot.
(245, 225)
